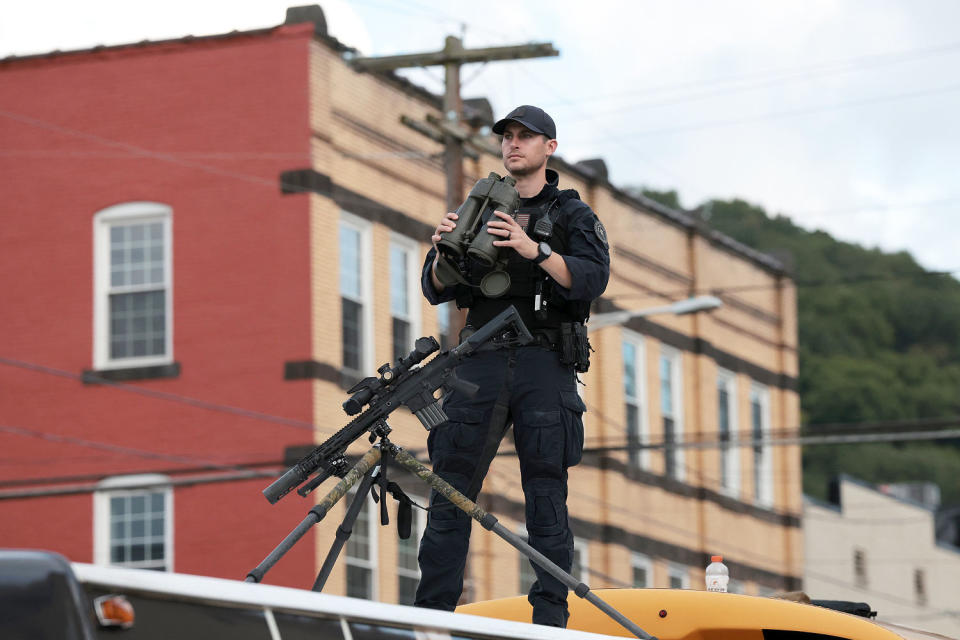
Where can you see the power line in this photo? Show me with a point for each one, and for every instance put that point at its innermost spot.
(175, 158)
(164, 395)
(866, 61)
(754, 86)
(122, 450)
(884, 207)
(789, 113)
(799, 284)
(906, 436)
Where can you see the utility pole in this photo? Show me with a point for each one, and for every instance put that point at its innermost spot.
(450, 129)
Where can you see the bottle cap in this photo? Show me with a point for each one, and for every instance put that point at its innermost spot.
(716, 558)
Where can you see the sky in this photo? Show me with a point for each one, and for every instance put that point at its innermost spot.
(841, 114)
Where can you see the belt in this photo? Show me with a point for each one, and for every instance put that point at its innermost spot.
(546, 338)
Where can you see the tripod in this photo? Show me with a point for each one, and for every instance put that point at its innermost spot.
(363, 472)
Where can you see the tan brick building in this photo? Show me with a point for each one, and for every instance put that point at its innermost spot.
(280, 297)
(379, 187)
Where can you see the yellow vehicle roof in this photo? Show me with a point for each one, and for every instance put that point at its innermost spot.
(681, 614)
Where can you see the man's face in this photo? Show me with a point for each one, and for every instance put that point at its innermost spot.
(524, 151)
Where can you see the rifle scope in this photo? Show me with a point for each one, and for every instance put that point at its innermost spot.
(364, 390)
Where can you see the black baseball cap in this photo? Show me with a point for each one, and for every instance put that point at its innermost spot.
(533, 118)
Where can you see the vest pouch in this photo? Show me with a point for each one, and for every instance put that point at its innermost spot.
(574, 346)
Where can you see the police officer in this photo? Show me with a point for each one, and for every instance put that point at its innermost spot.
(557, 268)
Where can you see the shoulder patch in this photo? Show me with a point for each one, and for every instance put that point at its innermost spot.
(601, 232)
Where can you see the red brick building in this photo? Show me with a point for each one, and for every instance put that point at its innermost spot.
(146, 240)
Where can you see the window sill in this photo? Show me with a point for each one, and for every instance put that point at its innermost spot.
(128, 374)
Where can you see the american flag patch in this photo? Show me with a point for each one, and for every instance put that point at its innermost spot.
(523, 219)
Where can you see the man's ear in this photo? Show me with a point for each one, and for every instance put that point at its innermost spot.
(551, 147)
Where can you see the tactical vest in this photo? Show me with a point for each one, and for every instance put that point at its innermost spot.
(524, 276)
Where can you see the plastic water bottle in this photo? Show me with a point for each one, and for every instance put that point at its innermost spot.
(717, 575)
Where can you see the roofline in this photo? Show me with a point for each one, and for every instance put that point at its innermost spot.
(678, 218)
(673, 216)
(188, 39)
(290, 28)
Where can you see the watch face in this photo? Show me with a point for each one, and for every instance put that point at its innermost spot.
(545, 249)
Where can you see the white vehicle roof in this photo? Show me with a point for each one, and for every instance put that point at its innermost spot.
(251, 595)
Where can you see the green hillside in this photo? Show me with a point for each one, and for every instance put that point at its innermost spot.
(879, 341)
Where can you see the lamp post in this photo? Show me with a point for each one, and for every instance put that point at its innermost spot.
(679, 308)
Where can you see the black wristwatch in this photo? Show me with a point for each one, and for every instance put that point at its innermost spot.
(543, 252)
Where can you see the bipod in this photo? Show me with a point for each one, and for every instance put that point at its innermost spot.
(363, 470)
(376, 477)
(320, 510)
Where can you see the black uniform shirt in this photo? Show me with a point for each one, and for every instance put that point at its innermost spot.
(587, 253)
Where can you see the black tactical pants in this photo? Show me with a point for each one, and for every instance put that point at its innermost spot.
(546, 412)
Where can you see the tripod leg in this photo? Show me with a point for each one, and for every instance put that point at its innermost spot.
(317, 513)
(489, 522)
(344, 531)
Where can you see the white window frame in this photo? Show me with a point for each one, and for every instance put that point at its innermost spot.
(675, 358)
(365, 229)
(680, 571)
(762, 473)
(582, 546)
(411, 250)
(103, 221)
(372, 512)
(418, 526)
(130, 485)
(641, 561)
(640, 393)
(731, 457)
(443, 332)
(525, 565)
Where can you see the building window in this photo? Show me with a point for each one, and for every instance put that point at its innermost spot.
(361, 557)
(133, 522)
(133, 285)
(578, 569)
(727, 432)
(404, 302)
(408, 569)
(581, 560)
(919, 586)
(678, 576)
(762, 452)
(642, 571)
(354, 294)
(860, 567)
(635, 398)
(443, 325)
(527, 575)
(671, 408)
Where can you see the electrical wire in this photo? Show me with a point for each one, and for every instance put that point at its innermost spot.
(789, 113)
(124, 451)
(827, 67)
(166, 396)
(799, 284)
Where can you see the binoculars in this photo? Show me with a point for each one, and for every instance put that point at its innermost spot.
(490, 194)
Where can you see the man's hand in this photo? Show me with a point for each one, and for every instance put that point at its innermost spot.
(515, 237)
(446, 226)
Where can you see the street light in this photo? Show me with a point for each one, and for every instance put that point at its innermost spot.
(680, 308)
